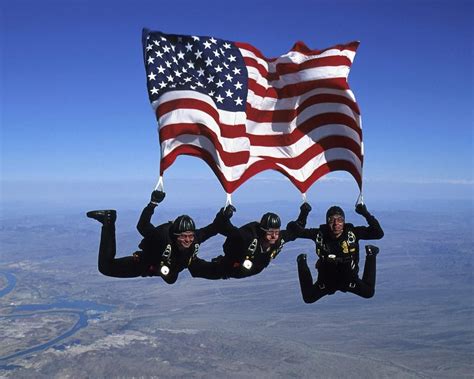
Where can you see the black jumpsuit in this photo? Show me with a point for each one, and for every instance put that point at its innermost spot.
(242, 243)
(157, 242)
(339, 273)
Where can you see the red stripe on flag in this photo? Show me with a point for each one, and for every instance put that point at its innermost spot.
(173, 131)
(184, 104)
(292, 68)
(337, 165)
(287, 115)
(297, 89)
(196, 151)
(303, 129)
(319, 147)
(299, 47)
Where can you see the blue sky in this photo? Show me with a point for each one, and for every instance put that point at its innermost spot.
(76, 115)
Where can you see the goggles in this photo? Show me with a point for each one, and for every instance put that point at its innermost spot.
(185, 235)
(335, 219)
(271, 232)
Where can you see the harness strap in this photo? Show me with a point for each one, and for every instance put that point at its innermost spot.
(323, 252)
(194, 255)
(165, 257)
(274, 254)
(167, 252)
(319, 244)
(252, 247)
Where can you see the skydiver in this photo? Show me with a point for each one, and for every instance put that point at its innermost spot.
(337, 247)
(165, 250)
(250, 248)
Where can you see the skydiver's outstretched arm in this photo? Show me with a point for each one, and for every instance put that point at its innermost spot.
(221, 224)
(373, 231)
(144, 226)
(305, 208)
(299, 232)
(208, 231)
(295, 228)
(225, 226)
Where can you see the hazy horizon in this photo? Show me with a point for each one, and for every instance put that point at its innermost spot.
(34, 195)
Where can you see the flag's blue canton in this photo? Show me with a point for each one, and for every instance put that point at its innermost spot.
(208, 65)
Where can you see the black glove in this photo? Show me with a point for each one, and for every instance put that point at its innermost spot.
(305, 207)
(362, 210)
(157, 197)
(228, 211)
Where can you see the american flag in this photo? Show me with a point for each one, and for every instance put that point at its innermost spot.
(242, 113)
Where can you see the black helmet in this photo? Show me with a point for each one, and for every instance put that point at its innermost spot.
(334, 210)
(182, 224)
(270, 221)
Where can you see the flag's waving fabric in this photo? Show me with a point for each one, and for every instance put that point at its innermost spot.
(243, 113)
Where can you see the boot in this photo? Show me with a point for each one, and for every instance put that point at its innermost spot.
(105, 217)
(301, 260)
(371, 250)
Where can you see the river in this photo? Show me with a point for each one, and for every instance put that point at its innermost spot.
(83, 310)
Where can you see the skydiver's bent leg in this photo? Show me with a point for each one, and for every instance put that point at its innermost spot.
(170, 278)
(366, 287)
(310, 292)
(127, 267)
(214, 270)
